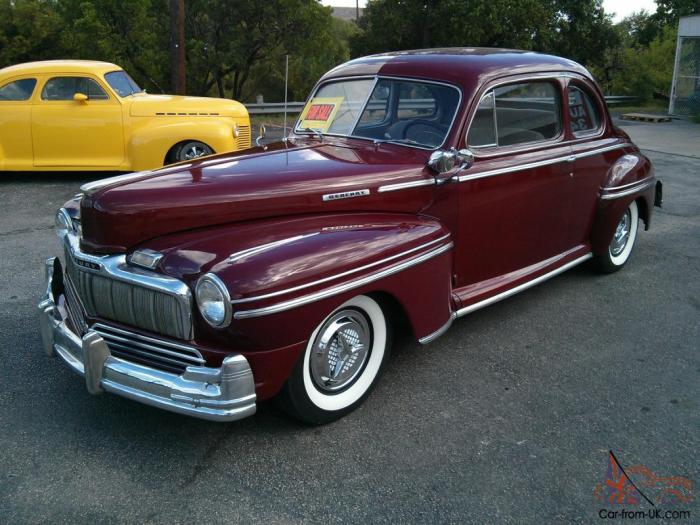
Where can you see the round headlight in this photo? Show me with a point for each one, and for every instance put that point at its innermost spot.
(213, 300)
(63, 221)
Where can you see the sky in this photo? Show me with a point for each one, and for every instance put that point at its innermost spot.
(621, 8)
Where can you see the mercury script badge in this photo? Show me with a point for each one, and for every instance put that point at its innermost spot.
(345, 195)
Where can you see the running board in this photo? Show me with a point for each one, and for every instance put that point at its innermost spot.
(521, 287)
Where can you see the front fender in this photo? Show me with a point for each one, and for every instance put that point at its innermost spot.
(285, 277)
(148, 146)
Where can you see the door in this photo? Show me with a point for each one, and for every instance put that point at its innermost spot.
(513, 199)
(83, 133)
(594, 153)
(15, 123)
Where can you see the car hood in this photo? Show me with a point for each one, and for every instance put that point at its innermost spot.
(284, 179)
(146, 105)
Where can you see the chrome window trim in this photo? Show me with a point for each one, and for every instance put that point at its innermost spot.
(521, 287)
(624, 193)
(538, 164)
(329, 292)
(388, 77)
(405, 185)
(504, 150)
(115, 267)
(339, 275)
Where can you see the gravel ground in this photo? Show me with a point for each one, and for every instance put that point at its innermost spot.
(505, 419)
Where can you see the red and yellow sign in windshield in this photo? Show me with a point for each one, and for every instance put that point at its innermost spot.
(320, 112)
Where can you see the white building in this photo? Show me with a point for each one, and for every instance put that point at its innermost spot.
(685, 91)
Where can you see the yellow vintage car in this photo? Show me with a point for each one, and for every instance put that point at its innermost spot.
(83, 115)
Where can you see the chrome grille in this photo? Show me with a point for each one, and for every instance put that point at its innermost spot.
(128, 303)
(243, 137)
(75, 313)
(157, 353)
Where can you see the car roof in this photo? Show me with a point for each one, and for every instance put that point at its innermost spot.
(464, 66)
(60, 66)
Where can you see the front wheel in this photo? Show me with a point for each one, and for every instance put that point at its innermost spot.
(192, 150)
(342, 362)
(620, 247)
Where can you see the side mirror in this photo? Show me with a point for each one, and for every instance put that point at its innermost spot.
(443, 162)
(80, 97)
(465, 158)
(261, 135)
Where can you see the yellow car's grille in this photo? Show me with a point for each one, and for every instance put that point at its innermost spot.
(243, 137)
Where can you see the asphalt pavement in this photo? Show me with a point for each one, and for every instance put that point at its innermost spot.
(507, 418)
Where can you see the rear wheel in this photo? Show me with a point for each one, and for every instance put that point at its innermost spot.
(342, 362)
(620, 247)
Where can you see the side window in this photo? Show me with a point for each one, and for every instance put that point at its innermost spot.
(18, 89)
(583, 113)
(63, 88)
(517, 114)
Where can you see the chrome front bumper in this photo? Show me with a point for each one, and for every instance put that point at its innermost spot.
(216, 394)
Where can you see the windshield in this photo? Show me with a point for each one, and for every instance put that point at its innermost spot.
(386, 110)
(122, 83)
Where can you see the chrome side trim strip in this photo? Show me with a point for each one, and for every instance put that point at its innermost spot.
(329, 292)
(265, 247)
(437, 333)
(623, 186)
(601, 150)
(538, 164)
(519, 167)
(522, 287)
(406, 185)
(609, 196)
(339, 275)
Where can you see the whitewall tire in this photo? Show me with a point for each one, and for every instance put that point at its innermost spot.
(620, 248)
(341, 364)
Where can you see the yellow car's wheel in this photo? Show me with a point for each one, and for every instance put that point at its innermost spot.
(189, 150)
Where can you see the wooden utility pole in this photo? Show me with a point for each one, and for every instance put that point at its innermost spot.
(177, 46)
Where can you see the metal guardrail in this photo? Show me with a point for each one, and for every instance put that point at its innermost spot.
(273, 108)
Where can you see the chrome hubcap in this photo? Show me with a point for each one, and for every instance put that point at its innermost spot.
(622, 234)
(194, 152)
(340, 351)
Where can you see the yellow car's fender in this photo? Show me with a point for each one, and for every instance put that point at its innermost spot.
(148, 147)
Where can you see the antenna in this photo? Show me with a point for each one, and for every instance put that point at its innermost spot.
(286, 76)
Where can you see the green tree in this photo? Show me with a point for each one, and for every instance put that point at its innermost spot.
(577, 29)
(29, 30)
(132, 33)
(231, 41)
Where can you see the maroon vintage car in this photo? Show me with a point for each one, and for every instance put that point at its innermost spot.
(420, 185)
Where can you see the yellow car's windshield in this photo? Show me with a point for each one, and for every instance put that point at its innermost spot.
(122, 83)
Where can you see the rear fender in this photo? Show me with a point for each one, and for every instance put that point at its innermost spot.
(630, 178)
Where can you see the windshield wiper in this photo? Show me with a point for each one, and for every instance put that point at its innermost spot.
(398, 141)
(317, 133)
